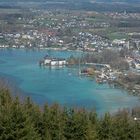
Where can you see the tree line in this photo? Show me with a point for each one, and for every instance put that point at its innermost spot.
(114, 59)
(24, 120)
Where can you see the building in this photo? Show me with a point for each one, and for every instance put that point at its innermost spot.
(54, 61)
(137, 65)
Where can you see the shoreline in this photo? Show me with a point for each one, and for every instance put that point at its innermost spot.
(54, 49)
(132, 89)
(129, 87)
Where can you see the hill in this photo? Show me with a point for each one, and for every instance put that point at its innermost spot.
(90, 5)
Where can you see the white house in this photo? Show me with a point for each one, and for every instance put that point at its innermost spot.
(137, 65)
(47, 61)
(54, 61)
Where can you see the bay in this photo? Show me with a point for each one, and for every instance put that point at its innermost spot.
(59, 85)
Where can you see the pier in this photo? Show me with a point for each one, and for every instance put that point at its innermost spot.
(98, 64)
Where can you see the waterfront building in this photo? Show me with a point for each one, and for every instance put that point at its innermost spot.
(54, 61)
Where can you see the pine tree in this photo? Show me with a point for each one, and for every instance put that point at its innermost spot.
(92, 125)
(18, 125)
(122, 127)
(76, 125)
(105, 128)
(5, 98)
(5, 112)
(34, 113)
(52, 120)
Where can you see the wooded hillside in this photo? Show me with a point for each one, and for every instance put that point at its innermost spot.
(26, 121)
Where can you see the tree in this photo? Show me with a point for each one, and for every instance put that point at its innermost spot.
(52, 122)
(76, 125)
(123, 126)
(5, 112)
(15, 124)
(92, 126)
(33, 112)
(105, 128)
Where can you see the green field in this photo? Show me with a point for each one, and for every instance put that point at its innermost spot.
(9, 11)
(117, 35)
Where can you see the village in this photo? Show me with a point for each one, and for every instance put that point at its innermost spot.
(53, 29)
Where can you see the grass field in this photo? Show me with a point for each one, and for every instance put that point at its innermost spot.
(117, 35)
(9, 11)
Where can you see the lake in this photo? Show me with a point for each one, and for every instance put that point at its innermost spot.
(59, 85)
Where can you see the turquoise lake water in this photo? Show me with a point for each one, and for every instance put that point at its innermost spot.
(62, 85)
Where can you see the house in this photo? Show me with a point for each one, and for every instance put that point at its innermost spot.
(137, 65)
(54, 61)
(58, 62)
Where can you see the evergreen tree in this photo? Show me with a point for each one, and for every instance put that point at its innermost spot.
(105, 128)
(15, 124)
(122, 127)
(5, 112)
(21, 124)
(76, 126)
(5, 98)
(52, 120)
(34, 113)
(92, 125)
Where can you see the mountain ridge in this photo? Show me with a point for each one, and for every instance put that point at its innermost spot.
(127, 1)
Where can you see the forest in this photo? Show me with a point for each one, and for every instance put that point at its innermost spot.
(24, 120)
